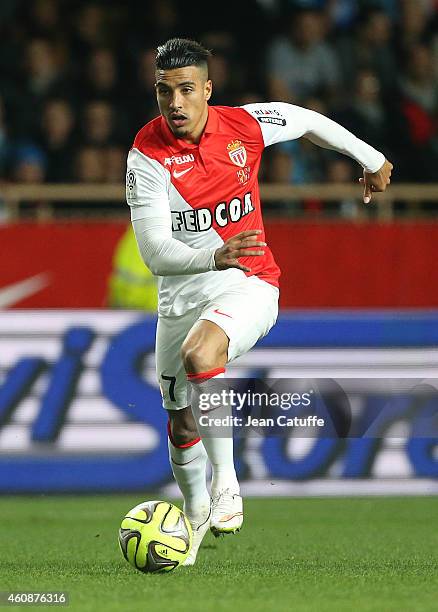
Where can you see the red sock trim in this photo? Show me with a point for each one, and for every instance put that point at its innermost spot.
(201, 376)
(187, 445)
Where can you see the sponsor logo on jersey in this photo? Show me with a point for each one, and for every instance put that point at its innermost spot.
(179, 173)
(131, 185)
(237, 153)
(222, 313)
(202, 219)
(179, 159)
(267, 111)
(274, 120)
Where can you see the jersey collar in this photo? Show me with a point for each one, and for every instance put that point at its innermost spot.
(211, 127)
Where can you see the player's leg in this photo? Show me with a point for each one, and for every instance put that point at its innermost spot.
(188, 460)
(204, 353)
(187, 454)
(228, 327)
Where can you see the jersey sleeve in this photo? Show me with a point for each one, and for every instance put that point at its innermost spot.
(280, 122)
(147, 186)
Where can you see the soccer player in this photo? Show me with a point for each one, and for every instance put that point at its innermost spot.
(195, 207)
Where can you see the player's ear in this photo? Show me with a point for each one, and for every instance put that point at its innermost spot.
(208, 89)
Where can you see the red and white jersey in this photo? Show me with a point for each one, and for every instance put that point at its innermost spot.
(209, 192)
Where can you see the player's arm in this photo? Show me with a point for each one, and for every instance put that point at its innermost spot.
(147, 184)
(280, 122)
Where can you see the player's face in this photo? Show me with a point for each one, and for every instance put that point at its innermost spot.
(182, 95)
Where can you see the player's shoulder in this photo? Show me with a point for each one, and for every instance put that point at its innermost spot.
(268, 112)
(149, 139)
(238, 123)
(251, 117)
(236, 117)
(145, 158)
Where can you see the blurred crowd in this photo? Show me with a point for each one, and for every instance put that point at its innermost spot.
(76, 79)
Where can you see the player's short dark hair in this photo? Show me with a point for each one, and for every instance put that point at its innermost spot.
(180, 53)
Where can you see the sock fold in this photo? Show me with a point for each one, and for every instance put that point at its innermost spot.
(202, 376)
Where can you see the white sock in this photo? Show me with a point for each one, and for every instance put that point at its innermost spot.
(188, 466)
(219, 450)
(222, 463)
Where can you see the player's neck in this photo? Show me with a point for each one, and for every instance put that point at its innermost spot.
(196, 134)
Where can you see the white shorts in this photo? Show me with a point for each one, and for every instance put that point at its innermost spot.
(246, 312)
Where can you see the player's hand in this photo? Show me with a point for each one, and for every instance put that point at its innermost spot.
(376, 181)
(240, 245)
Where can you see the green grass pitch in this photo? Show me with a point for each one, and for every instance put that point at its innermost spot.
(340, 554)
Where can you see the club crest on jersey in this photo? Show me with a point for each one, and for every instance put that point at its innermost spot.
(243, 175)
(237, 153)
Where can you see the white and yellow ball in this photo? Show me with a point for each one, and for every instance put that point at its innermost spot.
(155, 536)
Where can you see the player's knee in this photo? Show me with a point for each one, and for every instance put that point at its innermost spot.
(197, 357)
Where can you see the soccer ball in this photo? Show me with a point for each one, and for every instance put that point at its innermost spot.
(155, 536)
